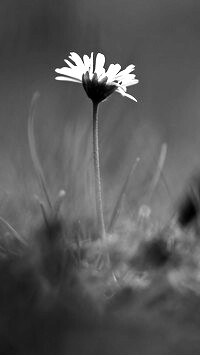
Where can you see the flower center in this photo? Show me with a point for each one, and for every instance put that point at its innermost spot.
(97, 89)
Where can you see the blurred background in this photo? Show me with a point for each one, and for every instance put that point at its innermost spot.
(162, 39)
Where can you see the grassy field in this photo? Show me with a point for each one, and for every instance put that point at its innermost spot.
(67, 291)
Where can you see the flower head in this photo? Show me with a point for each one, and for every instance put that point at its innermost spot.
(97, 82)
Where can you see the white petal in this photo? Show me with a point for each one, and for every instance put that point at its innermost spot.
(76, 59)
(86, 61)
(112, 71)
(130, 97)
(127, 77)
(129, 68)
(132, 82)
(125, 72)
(124, 88)
(70, 64)
(91, 66)
(65, 78)
(99, 67)
(121, 90)
(129, 80)
(123, 93)
(73, 73)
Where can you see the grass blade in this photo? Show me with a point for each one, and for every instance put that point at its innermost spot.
(60, 199)
(159, 173)
(33, 151)
(116, 210)
(12, 231)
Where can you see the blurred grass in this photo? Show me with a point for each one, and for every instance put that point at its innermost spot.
(58, 297)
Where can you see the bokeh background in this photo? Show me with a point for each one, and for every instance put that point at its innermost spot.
(162, 39)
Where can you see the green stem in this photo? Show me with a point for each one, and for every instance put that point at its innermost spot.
(98, 194)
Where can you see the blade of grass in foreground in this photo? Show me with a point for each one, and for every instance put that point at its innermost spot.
(116, 210)
(159, 173)
(33, 151)
(12, 231)
(59, 201)
(43, 211)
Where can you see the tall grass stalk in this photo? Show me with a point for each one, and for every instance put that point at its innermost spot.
(33, 151)
(158, 171)
(122, 193)
(12, 231)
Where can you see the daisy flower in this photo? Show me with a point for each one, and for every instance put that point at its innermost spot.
(97, 82)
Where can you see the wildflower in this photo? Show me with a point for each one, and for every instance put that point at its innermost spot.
(97, 82)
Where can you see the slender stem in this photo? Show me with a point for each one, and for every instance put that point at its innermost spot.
(98, 194)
